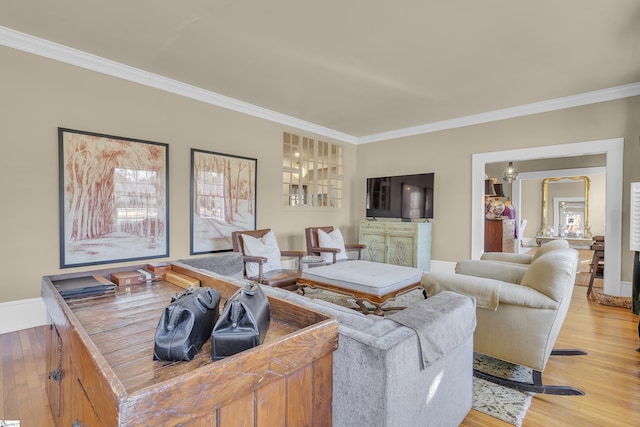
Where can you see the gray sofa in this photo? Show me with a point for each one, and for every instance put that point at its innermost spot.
(379, 378)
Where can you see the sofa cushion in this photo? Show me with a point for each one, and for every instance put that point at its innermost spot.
(549, 247)
(370, 277)
(332, 240)
(551, 273)
(505, 272)
(265, 246)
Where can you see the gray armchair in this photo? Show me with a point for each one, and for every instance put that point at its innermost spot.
(518, 320)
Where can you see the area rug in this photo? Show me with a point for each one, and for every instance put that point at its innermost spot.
(492, 399)
(497, 401)
(611, 300)
(582, 279)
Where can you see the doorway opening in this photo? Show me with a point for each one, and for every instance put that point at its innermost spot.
(611, 148)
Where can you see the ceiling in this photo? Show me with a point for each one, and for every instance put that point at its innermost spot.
(358, 67)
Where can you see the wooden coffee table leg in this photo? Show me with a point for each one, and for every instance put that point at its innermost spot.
(378, 311)
(363, 307)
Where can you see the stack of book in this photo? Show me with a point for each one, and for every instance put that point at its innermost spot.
(153, 273)
(83, 286)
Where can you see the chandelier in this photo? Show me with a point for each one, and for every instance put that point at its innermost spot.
(510, 174)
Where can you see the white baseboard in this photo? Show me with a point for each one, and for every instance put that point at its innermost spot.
(626, 289)
(22, 314)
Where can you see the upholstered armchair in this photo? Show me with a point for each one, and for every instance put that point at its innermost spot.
(519, 320)
(506, 267)
(262, 258)
(525, 259)
(328, 243)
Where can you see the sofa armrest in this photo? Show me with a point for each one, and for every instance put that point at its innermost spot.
(441, 324)
(378, 379)
(505, 272)
(524, 296)
(485, 291)
(489, 293)
(507, 257)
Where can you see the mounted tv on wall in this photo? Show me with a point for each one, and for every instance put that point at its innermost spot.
(404, 196)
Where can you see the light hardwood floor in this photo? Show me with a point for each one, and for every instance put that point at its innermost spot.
(609, 374)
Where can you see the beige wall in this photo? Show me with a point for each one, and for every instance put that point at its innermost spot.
(40, 95)
(448, 154)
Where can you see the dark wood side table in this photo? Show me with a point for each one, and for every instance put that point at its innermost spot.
(597, 265)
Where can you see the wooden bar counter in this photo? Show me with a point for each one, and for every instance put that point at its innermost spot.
(102, 372)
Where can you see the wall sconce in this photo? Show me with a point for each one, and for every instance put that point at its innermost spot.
(510, 174)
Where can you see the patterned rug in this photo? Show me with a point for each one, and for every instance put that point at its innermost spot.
(501, 402)
(582, 279)
(492, 399)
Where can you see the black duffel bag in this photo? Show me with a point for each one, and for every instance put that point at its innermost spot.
(243, 323)
(186, 324)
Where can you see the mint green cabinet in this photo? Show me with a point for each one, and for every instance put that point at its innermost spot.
(399, 243)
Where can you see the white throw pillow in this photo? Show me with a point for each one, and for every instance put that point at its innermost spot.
(332, 240)
(266, 246)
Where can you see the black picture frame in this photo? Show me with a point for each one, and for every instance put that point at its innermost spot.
(223, 199)
(113, 198)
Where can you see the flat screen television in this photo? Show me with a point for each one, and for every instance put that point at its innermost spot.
(403, 196)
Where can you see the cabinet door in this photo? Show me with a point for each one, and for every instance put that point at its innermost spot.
(508, 235)
(376, 249)
(402, 244)
(493, 235)
(82, 414)
(402, 250)
(54, 369)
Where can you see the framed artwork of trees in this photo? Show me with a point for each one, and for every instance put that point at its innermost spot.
(223, 199)
(114, 198)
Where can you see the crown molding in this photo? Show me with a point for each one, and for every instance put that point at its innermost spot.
(45, 48)
(586, 98)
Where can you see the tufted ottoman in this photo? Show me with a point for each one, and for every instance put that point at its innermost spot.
(369, 281)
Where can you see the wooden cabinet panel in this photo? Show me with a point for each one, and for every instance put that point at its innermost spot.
(376, 249)
(54, 368)
(401, 250)
(323, 392)
(271, 404)
(499, 235)
(238, 412)
(399, 243)
(300, 403)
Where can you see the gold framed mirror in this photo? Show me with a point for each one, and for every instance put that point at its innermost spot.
(571, 216)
